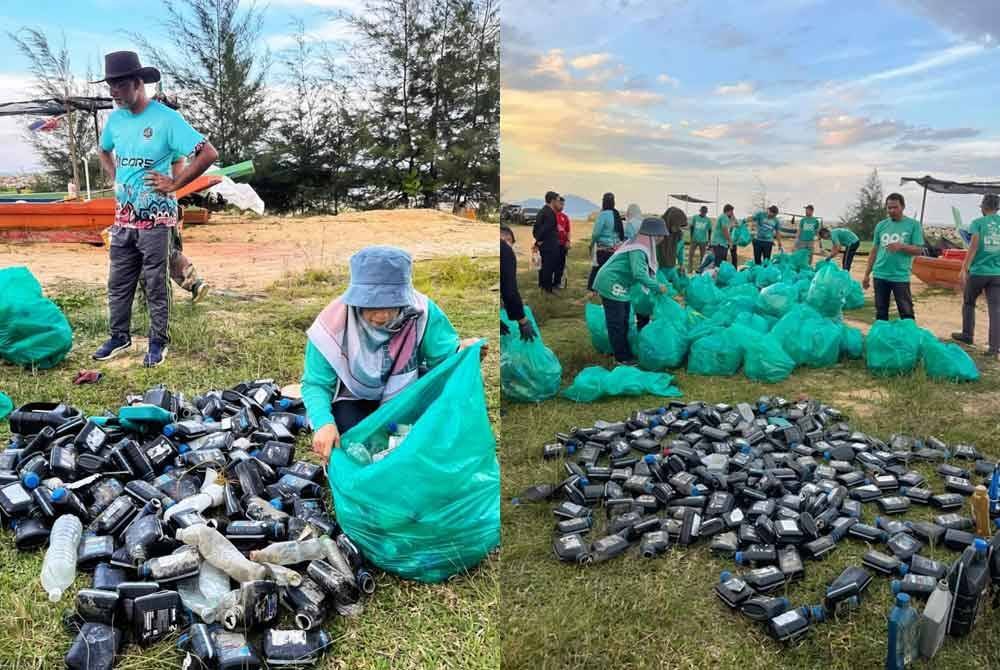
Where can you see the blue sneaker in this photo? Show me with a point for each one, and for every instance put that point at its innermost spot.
(156, 354)
(112, 348)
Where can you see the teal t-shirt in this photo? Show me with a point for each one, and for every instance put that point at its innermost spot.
(895, 265)
(623, 270)
(843, 237)
(149, 141)
(808, 226)
(700, 226)
(604, 229)
(987, 260)
(718, 238)
(765, 229)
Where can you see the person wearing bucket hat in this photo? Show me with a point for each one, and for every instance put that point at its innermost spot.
(370, 343)
(981, 272)
(140, 141)
(634, 262)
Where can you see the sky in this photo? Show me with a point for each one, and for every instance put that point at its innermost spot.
(798, 99)
(95, 27)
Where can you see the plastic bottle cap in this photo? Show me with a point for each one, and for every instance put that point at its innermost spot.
(980, 545)
(903, 599)
(903, 569)
(277, 504)
(738, 557)
(169, 430)
(284, 403)
(268, 408)
(30, 480)
(725, 576)
(584, 481)
(649, 458)
(58, 494)
(785, 601)
(392, 427)
(897, 586)
(184, 448)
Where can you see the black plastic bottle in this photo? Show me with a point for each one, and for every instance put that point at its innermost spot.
(968, 581)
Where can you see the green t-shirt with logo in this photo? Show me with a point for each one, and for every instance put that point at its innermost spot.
(987, 260)
(617, 276)
(895, 265)
(766, 229)
(718, 237)
(843, 237)
(808, 225)
(700, 225)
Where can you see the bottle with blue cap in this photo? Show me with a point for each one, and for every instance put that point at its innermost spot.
(968, 581)
(903, 635)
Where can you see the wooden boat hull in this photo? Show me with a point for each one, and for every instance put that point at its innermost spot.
(941, 272)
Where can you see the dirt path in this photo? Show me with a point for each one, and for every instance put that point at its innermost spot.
(248, 255)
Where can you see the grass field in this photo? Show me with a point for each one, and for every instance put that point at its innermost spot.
(219, 343)
(662, 613)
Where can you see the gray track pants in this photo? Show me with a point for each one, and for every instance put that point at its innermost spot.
(134, 253)
(973, 287)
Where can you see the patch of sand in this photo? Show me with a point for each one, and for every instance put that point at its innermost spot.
(857, 402)
(241, 255)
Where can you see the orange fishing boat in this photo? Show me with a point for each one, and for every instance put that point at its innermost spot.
(73, 220)
(942, 271)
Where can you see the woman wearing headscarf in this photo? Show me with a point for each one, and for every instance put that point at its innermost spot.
(370, 343)
(633, 220)
(635, 262)
(608, 234)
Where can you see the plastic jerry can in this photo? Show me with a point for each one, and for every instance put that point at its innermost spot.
(732, 590)
(902, 646)
(968, 582)
(934, 620)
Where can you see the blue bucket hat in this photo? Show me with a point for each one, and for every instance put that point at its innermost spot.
(380, 277)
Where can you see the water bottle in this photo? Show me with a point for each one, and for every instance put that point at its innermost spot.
(59, 566)
(903, 631)
(359, 453)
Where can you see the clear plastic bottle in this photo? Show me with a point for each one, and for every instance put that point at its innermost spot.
(359, 453)
(59, 566)
(903, 635)
(290, 553)
(220, 552)
(203, 593)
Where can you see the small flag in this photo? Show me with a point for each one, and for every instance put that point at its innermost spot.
(46, 125)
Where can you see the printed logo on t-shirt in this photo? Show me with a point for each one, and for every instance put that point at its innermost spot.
(619, 291)
(893, 238)
(991, 238)
(147, 132)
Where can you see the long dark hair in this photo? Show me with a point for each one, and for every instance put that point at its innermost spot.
(608, 203)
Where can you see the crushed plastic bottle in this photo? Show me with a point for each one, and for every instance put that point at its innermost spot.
(220, 552)
(59, 565)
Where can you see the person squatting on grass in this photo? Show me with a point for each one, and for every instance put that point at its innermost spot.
(700, 227)
(607, 235)
(844, 240)
(510, 296)
(370, 343)
(635, 262)
(896, 241)
(546, 233)
(145, 135)
(981, 272)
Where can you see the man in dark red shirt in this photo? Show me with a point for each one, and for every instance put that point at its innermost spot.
(562, 230)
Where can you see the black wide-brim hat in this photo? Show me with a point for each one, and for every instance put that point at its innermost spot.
(118, 64)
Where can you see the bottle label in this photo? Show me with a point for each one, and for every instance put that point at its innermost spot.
(572, 542)
(16, 495)
(283, 637)
(788, 617)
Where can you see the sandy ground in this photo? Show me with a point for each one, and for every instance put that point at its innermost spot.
(242, 255)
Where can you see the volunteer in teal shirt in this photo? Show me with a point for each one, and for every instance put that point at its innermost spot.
(722, 235)
(806, 235)
(701, 226)
(897, 240)
(981, 272)
(767, 232)
(608, 233)
(844, 240)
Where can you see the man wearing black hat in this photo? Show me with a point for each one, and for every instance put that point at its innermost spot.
(145, 137)
(546, 233)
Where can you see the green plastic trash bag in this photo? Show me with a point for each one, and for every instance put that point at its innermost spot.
(714, 354)
(643, 299)
(766, 361)
(598, 327)
(726, 274)
(948, 362)
(893, 347)
(777, 299)
(663, 342)
(702, 293)
(741, 278)
(855, 297)
(852, 343)
(767, 275)
(752, 321)
(741, 235)
(431, 508)
(803, 286)
(828, 291)
(788, 324)
(814, 343)
(529, 371)
(594, 383)
(6, 406)
(33, 330)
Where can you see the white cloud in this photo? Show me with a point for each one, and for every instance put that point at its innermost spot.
(944, 57)
(552, 64)
(744, 132)
(590, 61)
(739, 88)
(845, 130)
(667, 79)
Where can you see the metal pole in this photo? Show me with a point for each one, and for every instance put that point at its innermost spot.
(86, 172)
(922, 203)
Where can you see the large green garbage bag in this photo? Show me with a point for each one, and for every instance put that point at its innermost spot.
(594, 383)
(803, 286)
(702, 293)
(752, 321)
(726, 273)
(663, 342)
(852, 343)
(855, 297)
(777, 299)
(6, 406)
(766, 361)
(828, 291)
(767, 275)
(715, 354)
(529, 371)
(948, 362)
(893, 347)
(643, 300)
(431, 508)
(814, 343)
(598, 327)
(741, 235)
(33, 330)
(788, 324)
